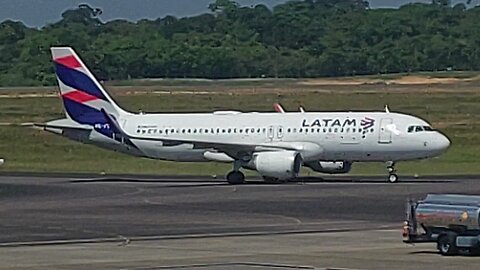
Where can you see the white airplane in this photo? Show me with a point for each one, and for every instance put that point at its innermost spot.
(276, 145)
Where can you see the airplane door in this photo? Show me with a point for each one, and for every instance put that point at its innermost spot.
(385, 135)
(271, 132)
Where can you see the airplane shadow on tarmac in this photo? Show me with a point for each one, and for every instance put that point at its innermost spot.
(197, 182)
(366, 180)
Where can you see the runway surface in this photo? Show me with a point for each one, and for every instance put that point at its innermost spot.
(127, 222)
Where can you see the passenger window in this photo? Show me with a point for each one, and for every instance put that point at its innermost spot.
(289, 130)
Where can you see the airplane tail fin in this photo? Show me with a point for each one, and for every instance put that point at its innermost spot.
(83, 96)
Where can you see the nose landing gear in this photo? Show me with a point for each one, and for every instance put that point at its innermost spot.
(392, 176)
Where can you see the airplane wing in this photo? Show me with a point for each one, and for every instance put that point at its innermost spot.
(236, 150)
(63, 124)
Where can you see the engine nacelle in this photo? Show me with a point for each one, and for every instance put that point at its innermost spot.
(281, 164)
(331, 167)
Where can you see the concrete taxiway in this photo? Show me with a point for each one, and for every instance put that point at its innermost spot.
(83, 222)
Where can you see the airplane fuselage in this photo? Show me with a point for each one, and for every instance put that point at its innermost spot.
(352, 136)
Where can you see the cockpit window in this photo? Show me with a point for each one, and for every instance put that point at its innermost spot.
(419, 129)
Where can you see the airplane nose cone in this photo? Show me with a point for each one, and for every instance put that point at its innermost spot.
(442, 143)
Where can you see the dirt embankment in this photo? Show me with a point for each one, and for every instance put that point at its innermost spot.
(344, 85)
(403, 80)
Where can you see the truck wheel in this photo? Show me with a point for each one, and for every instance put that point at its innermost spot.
(446, 244)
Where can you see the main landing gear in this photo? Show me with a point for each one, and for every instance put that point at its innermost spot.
(392, 176)
(236, 177)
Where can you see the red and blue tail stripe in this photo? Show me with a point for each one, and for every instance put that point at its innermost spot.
(83, 97)
(78, 80)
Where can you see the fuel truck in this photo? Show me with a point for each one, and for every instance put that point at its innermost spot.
(451, 221)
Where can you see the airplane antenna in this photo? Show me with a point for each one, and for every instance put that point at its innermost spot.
(302, 110)
(386, 109)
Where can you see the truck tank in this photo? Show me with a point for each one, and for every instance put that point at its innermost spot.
(447, 211)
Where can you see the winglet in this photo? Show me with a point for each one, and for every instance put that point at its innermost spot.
(278, 108)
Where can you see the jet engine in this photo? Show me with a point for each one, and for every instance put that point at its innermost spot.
(281, 165)
(331, 167)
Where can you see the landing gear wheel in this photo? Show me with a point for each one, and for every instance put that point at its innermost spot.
(235, 178)
(392, 178)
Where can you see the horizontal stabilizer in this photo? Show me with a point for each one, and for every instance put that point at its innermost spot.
(63, 124)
